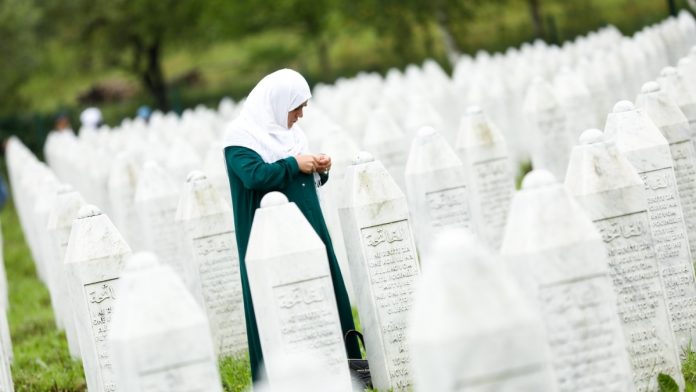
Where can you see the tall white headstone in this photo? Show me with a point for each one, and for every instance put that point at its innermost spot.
(122, 183)
(547, 122)
(677, 87)
(94, 260)
(641, 142)
(384, 266)
(437, 187)
(613, 195)
(209, 235)
(560, 260)
(66, 205)
(292, 290)
(385, 139)
(156, 200)
(159, 338)
(484, 153)
(471, 328)
(670, 120)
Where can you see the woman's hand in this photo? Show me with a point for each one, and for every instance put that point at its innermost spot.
(306, 163)
(322, 163)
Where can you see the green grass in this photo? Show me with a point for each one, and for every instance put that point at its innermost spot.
(41, 358)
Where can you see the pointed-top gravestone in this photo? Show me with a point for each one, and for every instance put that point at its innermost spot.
(182, 158)
(387, 142)
(547, 122)
(342, 149)
(641, 142)
(122, 183)
(156, 199)
(159, 339)
(66, 205)
(483, 151)
(560, 259)
(674, 84)
(384, 266)
(472, 328)
(437, 187)
(94, 259)
(576, 101)
(612, 193)
(670, 120)
(292, 291)
(209, 236)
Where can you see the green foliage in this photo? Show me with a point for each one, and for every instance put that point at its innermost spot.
(666, 383)
(235, 373)
(41, 358)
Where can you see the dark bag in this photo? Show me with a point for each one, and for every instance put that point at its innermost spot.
(359, 368)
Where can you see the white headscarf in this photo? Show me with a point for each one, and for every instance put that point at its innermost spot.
(262, 125)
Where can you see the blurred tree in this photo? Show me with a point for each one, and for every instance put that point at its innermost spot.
(131, 34)
(19, 21)
(537, 20)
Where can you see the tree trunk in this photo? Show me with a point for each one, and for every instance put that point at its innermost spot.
(324, 59)
(153, 77)
(537, 21)
(671, 4)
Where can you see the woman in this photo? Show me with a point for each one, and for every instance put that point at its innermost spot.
(266, 152)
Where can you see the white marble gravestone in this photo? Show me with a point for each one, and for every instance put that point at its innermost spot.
(384, 266)
(560, 260)
(552, 141)
(613, 194)
(159, 338)
(576, 101)
(437, 187)
(209, 236)
(638, 138)
(670, 120)
(484, 153)
(292, 290)
(300, 372)
(342, 149)
(122, 183)
(94, 260)
(388, 142)
(471, 328)
(677, 87)
(66, 205)
(156, 200)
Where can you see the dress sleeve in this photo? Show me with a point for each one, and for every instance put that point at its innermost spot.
(258, 175)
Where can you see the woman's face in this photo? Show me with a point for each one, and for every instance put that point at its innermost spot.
(295, 114)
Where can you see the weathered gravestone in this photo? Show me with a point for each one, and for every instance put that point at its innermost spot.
(437, 187)
(560, 259)
(122, 183)
(576, 101)
(385, 139)
(212, 247)
(613, 194)
(547, 122)
(484, 153)
(66, 206)
(159, 338)
(94, 260)
(342, 149)
(156, 199)
(670, 120)
(639, 140)
(676, 86)
(292, 290)
(384, 266)
(471, 328)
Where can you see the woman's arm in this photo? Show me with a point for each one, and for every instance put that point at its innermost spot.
(257, 174)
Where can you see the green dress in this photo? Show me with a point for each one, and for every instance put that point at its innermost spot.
(250, 179)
